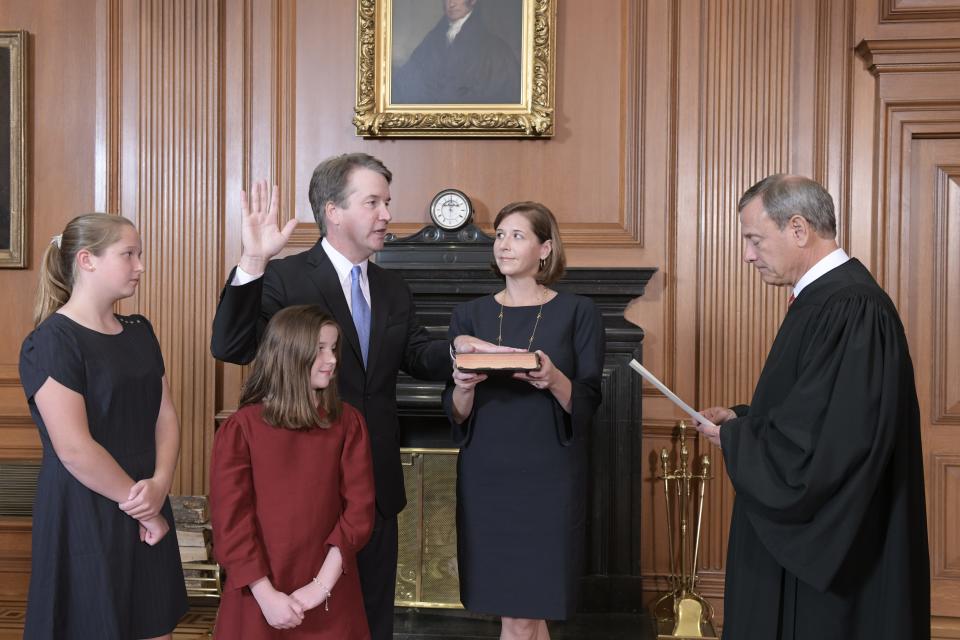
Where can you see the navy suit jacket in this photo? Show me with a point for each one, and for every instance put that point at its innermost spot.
(397, 341)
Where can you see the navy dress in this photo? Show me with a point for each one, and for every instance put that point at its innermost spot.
(521, 471)
(91, 576)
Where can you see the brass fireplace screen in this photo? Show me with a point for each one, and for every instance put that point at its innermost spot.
(427, 562)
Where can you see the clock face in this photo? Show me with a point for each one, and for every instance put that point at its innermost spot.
(451, 209)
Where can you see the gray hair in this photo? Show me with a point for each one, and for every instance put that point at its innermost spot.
(331, 180)
(784, 196)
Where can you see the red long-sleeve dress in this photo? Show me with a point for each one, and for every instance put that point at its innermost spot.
(279, 499)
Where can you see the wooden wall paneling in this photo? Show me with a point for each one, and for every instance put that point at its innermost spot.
(579, 173)
(914, 19)
(60, 179)
(19, 439)
(14, 558)
(917, 97)
(763, 108)
(919, 10)
(929, 215)
(170, 185)
(667, 316)
(833, 88)
(61, 106)
(259, 130)
(746, 126)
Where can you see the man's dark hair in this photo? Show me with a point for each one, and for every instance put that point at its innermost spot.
(784, 196)
(331, 180)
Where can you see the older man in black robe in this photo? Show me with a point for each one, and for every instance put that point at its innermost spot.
(828, 537)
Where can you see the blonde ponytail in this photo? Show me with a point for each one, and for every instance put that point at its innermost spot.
(93, 232)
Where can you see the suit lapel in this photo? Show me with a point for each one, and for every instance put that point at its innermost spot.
(324, 276)
(379, 309)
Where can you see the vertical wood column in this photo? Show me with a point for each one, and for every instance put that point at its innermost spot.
(746, 136)
(169, 183)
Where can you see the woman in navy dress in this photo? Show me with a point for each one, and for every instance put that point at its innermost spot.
(104, 563)
(521, 483)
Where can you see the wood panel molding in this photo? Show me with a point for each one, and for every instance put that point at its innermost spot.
(919, 10)
(910, 56)
(613, 226)
(170, 183)
(832, 124)
(19, 438)
(945, 517)
(946, 310)
(916, 101)
(15, 541)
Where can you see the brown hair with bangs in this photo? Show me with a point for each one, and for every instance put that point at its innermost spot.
(280, 379)
(545, 227)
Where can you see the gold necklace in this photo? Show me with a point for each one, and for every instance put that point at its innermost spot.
(543, 297)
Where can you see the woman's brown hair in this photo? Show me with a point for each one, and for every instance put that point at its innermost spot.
(280, 379)
(545, 227)
(93, 232)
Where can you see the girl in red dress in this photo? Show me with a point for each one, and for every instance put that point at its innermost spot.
(291, 492)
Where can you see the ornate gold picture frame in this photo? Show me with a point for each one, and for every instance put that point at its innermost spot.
(464, 68)
(13, 162)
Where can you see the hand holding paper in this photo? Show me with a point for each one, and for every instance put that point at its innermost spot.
(652, 379)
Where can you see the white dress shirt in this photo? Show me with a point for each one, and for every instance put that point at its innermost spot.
(454, 28)
(826, 264)
(341, 265)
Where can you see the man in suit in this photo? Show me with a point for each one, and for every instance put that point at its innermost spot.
(380, 335)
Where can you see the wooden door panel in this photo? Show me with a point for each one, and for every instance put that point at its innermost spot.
(929, 259)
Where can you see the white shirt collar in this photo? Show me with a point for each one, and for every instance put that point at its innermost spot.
(342, 264)
(827, 263)
(454, 27)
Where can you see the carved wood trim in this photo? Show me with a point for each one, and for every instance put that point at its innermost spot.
(908, 11)
(19, 438)
(173, 153)
(945, 517)
(284, 131)
(946, 199)
(910, 56)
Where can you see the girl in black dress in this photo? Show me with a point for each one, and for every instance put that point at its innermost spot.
(521, 472)
(104, 564)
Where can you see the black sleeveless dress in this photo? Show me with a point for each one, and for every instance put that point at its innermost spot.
(91, 576)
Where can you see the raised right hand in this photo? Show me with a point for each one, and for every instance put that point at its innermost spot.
(280, 610)
(259, 232)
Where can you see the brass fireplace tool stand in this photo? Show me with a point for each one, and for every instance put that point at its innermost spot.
(682, 613)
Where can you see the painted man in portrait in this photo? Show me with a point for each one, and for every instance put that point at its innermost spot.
(460, 61)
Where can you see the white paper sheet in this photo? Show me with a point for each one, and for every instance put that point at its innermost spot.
(652, 379)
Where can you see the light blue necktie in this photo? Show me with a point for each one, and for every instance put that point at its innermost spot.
(361, 312)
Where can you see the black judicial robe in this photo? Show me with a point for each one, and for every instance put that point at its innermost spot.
(828, 537)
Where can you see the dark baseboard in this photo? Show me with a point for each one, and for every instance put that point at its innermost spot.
(612, 594)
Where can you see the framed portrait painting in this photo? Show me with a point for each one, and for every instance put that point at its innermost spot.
(477, 68)
(13, 180)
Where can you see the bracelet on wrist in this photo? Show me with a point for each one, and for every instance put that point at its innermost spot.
(324, 591)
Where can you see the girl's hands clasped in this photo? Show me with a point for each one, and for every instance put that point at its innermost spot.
(280, 610)
(145, 499)
(153, 529)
